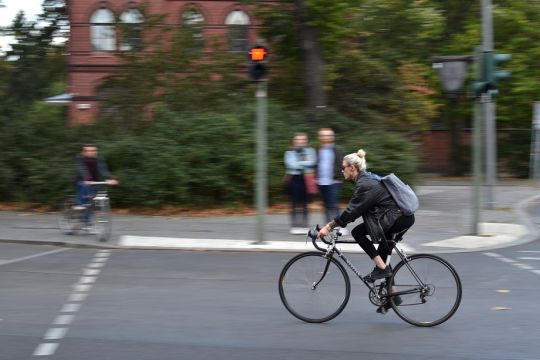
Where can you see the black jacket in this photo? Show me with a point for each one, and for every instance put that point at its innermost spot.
(82, 172)
(374, 203)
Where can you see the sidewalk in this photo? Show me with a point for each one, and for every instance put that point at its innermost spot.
(443, 224)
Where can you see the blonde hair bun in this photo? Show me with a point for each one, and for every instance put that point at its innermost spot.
(361, 153)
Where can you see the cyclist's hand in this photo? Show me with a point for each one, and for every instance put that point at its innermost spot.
(112, 182)
(323, 232)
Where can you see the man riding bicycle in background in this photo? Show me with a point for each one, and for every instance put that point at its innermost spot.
(89, 168)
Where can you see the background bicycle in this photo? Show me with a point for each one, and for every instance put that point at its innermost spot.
(424, 290)
(94, 217)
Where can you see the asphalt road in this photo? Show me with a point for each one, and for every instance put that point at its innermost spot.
(75, 304)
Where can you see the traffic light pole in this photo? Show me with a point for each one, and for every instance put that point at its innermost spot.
(489, 111)
(477, 165)
(260, 160)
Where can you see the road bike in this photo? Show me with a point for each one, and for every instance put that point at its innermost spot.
(93, 217)
(423, 290)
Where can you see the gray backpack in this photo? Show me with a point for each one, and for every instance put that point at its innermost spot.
(403, 195)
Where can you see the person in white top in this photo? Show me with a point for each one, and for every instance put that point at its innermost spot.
(300, 159)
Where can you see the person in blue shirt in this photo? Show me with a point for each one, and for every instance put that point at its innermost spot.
(300, 159)
(329, 176)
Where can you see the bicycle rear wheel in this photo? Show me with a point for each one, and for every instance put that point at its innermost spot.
(102, 219)
(430, 290)
(69, 220)
(314, 288)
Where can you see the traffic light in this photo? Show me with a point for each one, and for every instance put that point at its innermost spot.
(487, 74)
(257, 67)
(495, 60)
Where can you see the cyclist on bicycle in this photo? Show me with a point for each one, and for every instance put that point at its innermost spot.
(382, 217)
(89, 168)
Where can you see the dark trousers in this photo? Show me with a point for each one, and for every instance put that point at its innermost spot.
(359, 234)
(330, 197)
(299, 201)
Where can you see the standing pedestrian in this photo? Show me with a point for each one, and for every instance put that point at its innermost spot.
(329, 175)
(300, 161)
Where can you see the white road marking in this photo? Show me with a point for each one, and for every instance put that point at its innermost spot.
(5, 262)
(63, 319)
(77, 297)
(46, 349)
(513, 262)
(528, 258)
(95, 265)
(69, 308)
(91, 272)
(55, 333)
(82, 288)
(73, 305)
(87, 280)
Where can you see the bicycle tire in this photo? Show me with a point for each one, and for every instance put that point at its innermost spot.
(441, 297)
(302, 300)
(102, 219)
(69, 220)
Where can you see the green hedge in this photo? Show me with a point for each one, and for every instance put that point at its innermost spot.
(179, 159)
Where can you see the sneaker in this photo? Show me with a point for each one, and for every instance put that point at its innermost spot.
(384, 308)
(378, 273)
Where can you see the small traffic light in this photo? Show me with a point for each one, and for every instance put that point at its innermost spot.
(257, 67)
(481, 84)
(498, 75)
(487, 75)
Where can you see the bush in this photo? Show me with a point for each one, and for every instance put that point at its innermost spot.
(179, 159)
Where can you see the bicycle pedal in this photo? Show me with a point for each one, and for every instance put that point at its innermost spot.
(381, 310)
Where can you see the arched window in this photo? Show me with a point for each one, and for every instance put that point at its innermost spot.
(238, 22)
(102, 30)
(193, 22)
(131, 24)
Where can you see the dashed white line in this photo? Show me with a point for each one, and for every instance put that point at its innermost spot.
(91, 272)
(87, 280)
(63, 319)
(529, 258)
(55, 333)
(69, 308)
(73, 305)
(77, 297)
(515, 262)
(46, 349)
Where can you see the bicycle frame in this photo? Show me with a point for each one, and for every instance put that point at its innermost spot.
(332, 249)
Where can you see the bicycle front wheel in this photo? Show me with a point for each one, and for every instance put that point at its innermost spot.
(69, 219)
(429, 290)
(314, 288)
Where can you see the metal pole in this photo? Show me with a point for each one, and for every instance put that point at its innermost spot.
(489, 110)
(261, 185)
(491, 151)
(477, 166)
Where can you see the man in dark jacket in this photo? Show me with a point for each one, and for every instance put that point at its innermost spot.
(89, 168)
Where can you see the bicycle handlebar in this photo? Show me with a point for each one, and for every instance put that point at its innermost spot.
(95, 183)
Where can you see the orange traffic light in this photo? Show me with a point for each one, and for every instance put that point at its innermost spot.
(257, 53)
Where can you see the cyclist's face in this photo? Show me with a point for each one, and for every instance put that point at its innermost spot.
(90, 151)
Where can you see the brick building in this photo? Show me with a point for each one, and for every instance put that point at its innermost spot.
(96, 38)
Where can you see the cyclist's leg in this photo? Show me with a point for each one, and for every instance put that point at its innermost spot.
(83, 193)
(359, 233)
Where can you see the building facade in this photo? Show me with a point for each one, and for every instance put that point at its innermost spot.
(96, 38)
